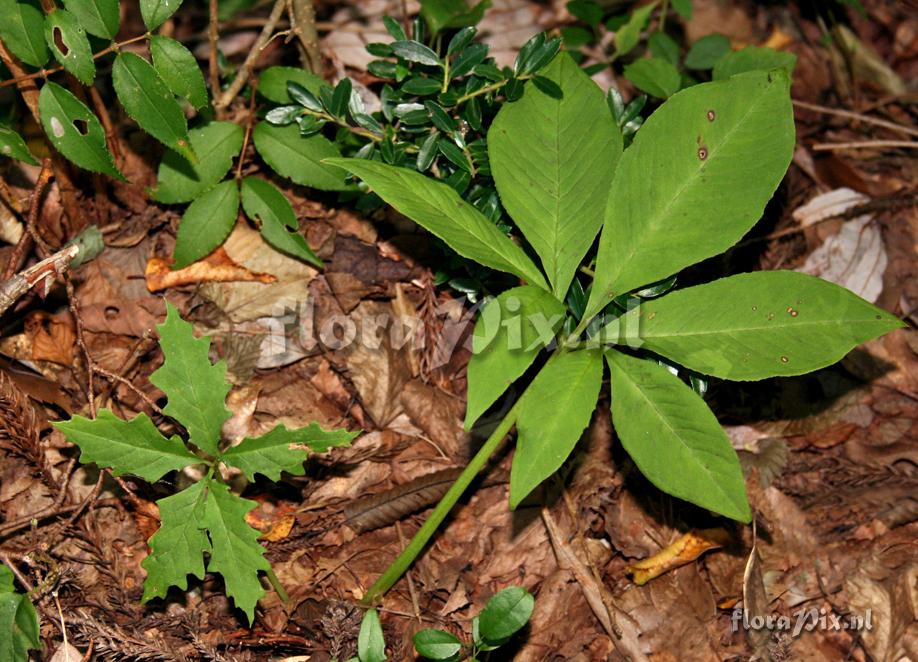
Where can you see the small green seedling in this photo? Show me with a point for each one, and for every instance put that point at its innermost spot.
(695, 179)
(371, 643)
(503, 616)
(18, 621)
(205, 518)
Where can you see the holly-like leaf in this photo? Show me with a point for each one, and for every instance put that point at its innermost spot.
(196, 389)
(74, 130)
(155, 12)
(281, 449)
(18, 621)
(674, 438)
(263, 202)
(179, 70)
(553, 170)
(22, 31)
(235, 552)
(177, 548)
(297, 158)
(509, 333)
(216, 145)
(437, 207)
(554, 412)
(150, 103)
(127, 447)
(206, 223)
(13, 146)
(755, 325)
(68, 42)
(101, 18)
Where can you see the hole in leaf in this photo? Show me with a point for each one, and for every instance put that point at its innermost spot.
(82, 126)
(111, 312)
(59, 41)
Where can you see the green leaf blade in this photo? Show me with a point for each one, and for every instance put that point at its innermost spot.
(437, 644)
(554, 412)
(301, 160)
(674, 438)
(22, 31)
(18, 621)
(506, 613)
(179, 69)
(654, 76)
(553, 170)
(697, 177)
(206, 223)
(155, 12)
(758, 325)
(127, 447)
(753, 58)
(262, 201)
(69, 44)
(629, 35)
(502, 349)
(101, 18)
(272, 83)
(439, 209)
(216, 144)
(150, 103)
(14, 147)
(371, 645)
(196, 389)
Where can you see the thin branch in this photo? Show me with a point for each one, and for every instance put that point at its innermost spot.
(303, 25)
(866, 144)
(866, 119)
(212, 37)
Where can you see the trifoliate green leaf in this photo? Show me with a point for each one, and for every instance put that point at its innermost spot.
(196, 389)
(235, 552)
(281, 449)
(133, 447)
(177, 549)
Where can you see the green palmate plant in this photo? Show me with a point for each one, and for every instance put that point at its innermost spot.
(205, 518)
(693, 182)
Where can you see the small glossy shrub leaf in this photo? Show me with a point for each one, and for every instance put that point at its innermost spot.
(414, 51)
(179, 69)
(196, 389)
(150, 103)
(628, 36)
(22, 31)
(216, 144)
(14, 147)
(18, 621)
(264, 203)
(100, 18)
(697, 177)
(510, 332)
(235, 552)
(753, 58)
(206, 223)
(127, 447)
(155, 12)
(74, 130)
(439, 209)
(371, 645)
(437, 644)
(299, 159)
(674, 438)
(705, 52)
(281, 449)
(69, 44)
(553, 170)
(177, 548)
(664, 47)
(507, 611)
(441, 14)
(272, 83)
(656, 77)
(555, 410)
(758, 325)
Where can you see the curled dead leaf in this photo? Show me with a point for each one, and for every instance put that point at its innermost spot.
(52, 337)
(685, 550)
(217, 267)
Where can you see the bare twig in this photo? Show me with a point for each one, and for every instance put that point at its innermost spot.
(303, 25)
(212, 37)
(866, 144)
(866, 119)
(15, 287)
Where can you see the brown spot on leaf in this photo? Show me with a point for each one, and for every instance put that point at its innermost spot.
(711, 116)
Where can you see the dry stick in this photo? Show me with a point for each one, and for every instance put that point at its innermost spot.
(212, 36)
(249, 123)
(22, 245)
(866, 119)
(246, 69)
(866, 144)
(303, 25)
(15, 287)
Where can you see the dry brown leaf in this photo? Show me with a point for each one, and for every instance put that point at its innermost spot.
(684, 550)
(215, 268)
(53, 337)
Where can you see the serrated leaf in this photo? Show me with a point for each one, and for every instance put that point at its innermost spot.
(13, 146)
(272, 83)
(674, 438)
(371, 645)
(628, 36)
(506, 612)
(69, 44)
(757, 325)
(150, 103)
(235, 552)
(74, 130)
(509, 333)
(206, 224)
(554, 412)
(553, 170)
(437, 644)
(22, 31)
(127, 447)
(101, 18)
(19, 625)
(281, 449)
(697, 177)
(196, 389)
(753, 58)
(216, 144)
(439, 209)
(297, 158)
(654, 76)
(179, 70)
(263, 202)
(155, 12)
(177, 548)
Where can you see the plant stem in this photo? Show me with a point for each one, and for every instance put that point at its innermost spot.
(303, 24)
(398, 567)
(445, 75)
(488, 88)
(213, 36)
(278, 587)
(663, 9)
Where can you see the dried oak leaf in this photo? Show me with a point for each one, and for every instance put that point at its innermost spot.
(215, 268)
